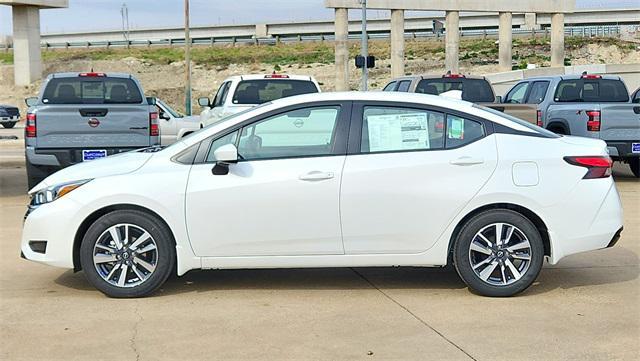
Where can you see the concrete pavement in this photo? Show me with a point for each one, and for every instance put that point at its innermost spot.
(587, 307)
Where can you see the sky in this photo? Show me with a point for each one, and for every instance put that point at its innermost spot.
(95, 15)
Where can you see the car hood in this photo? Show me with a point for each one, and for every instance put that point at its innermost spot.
(117, 164)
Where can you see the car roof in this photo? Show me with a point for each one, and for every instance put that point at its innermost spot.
(435, 76)
(265, 77)
(568, 77)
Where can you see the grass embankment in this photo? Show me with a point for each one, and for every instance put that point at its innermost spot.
(525, 50)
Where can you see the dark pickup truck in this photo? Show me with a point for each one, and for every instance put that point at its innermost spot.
(9, 116)
(79, 117)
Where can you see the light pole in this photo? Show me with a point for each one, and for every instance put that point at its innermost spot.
(187, 59)
(364, 46)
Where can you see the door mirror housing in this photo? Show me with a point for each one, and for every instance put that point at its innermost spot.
(165, 116)
(204, 102)
(32, 101)
(498, 99)
(224, 156)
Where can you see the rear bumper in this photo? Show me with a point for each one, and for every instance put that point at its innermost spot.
(622, 148)
(62, 158)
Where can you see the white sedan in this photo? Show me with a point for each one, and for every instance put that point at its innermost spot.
(333, 180)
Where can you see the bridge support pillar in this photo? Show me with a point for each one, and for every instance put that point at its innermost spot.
(557, 39)
(342, 49)
(27, 66)
(452, 41)
(397, 43)
(505, 38)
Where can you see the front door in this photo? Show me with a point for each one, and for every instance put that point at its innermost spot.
(282, 197)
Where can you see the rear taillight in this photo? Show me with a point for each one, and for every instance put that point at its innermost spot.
(593, 123)
(598, 166)
(539, 118)
(30, 129)
(154, 130)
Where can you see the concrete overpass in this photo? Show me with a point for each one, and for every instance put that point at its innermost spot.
(26, 37)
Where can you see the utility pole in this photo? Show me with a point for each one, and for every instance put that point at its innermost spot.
(124, 14)
(364, 46)
(187, 59)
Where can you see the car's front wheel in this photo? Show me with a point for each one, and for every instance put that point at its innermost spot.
(498, 253)
(127, 253)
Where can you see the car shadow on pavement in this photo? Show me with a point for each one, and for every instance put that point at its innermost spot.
(361, 279)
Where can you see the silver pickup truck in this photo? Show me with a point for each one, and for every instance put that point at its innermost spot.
(79, 117)
(587, 105)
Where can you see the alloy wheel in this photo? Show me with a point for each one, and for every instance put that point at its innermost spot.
(500, 254)
(125, 255)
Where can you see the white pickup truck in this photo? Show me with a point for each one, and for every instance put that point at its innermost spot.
(173, 125)
(241, 92)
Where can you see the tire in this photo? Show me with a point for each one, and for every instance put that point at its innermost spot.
(144, 271)
(497, 267)
(9, 124)
(34, 175)
(634, 164)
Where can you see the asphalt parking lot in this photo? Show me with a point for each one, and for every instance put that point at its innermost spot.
(587, 307)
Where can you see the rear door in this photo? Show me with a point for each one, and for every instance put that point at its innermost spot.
(92, 112)
(410, 170)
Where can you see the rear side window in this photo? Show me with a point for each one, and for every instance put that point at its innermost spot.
(403, 86)
(91, 90)
(461, 131)
(390, 87)
(537, 92)
(388, 129)
(591, 90)
(265, 90)
(473, 90)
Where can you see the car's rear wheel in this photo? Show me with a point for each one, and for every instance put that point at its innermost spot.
(9, 124)
(127, 253)
(498, 253)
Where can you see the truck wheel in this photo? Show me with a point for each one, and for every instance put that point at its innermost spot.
(634, 164)
(34, 175)
(9, 124)
(127, 253)
(498, 253)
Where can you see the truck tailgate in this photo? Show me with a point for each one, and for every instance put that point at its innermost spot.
(619, 121)
(91, 126)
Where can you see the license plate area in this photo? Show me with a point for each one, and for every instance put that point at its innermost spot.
(635, 148)
(92, 154)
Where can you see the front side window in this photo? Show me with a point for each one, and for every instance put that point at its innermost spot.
(221, 95)
(297, 133)
(91, 90)
(516, 95)
(265, 90)
(461, 131)
(388, 129)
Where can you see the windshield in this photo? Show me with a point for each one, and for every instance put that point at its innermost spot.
(519, 121)
(169, 110)
(473, 90)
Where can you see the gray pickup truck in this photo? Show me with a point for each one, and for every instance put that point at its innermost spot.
(79, 117)
(476, 89)
(587, 105)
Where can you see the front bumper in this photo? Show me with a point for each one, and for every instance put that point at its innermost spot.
(54, 223)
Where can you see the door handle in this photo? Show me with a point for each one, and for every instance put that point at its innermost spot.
(467, 161)
(316, 176)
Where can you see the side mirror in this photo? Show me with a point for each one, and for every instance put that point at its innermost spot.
(151, 100)
(224, 156)
(498, 99)
(164, 116)
(32, 101)
(204, 102)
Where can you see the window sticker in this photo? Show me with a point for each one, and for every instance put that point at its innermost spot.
(456, 128)
(398, 132)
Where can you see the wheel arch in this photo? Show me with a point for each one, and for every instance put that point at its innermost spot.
(559, 124)
(527, 213)
(88, 221)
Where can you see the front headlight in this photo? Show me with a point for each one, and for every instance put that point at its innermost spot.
(54, 192)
